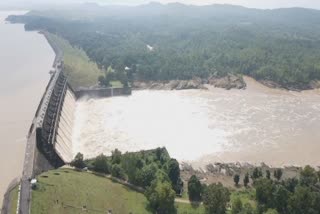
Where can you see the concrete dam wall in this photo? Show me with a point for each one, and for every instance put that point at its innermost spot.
(54, 127)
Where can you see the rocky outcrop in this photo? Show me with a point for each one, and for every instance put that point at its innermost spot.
(228, 82)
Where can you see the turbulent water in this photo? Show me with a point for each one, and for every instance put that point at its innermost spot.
(258, 124)
(25, 60)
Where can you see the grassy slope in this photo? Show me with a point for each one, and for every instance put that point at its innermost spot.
(65, 187)
(14, 200)
(80, 70)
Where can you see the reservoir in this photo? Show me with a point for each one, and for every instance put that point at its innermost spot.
(25, 61)
(255, 125)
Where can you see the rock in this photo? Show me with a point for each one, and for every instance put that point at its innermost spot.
(228, 82)
(315, 84)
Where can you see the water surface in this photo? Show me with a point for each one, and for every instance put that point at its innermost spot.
(253, 125)
(25, 60)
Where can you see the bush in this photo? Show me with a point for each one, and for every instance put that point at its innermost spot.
(278, 174)
(78, 161)
(101, 164)
(246, 180)
(216, 198)
(194, 189)
(236, 206)
(236, 179)
(161, 197)
(118, 172)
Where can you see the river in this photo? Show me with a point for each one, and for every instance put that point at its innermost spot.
(257, 124)
(25, 61)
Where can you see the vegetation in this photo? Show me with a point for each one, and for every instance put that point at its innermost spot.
(194, 188)
(278, 174)
(78, 161)
(246, 180)
(71, 191)
(215, 199)
(81, 71)
(236, 179)
(162, 42)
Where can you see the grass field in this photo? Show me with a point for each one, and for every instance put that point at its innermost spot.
(14, 200)
(80, 70)
(65, 191)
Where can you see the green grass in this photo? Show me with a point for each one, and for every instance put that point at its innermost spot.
(80, 70)
(246, 196)
(65, 191)
(14, 200)
(189, 209)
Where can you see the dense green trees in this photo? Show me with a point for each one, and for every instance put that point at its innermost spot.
(278, 174)
(215, 199)
(101, 164)
(194, 188)
(174, 175)
(161, 197)
(192, 41)
(78, 161)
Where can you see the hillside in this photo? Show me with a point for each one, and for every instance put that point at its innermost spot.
(175, 41)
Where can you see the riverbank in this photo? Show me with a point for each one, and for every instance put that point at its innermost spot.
(228, 82)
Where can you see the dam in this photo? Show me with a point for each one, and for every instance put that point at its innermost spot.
(49, 141)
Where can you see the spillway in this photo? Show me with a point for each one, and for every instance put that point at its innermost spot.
(63, 144)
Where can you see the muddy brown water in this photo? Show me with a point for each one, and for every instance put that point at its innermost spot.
(258, 124)
(25, 61)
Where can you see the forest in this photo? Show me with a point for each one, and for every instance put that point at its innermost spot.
(176, 41)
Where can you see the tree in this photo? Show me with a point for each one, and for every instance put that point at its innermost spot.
(236, 179)
(78, 161)
(194, 188)
(246, 180)
(161, 197)
(303, 201)
(308, 176)
(116, 156)
(118, 172)
(281, 196)
(216, 198)
(290, 184)
(271, 211)
(174, 175)
(264, 191)
(148, 174)
(101, 164)
(236, 206)
(257, 173)
(268, 174)
(277, 174)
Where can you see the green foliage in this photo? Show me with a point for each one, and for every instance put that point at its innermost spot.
(246, 180)
(81, 71)
(174, 175)
(101, 164)
(78, 161)
(116, 156)
(305, 201)
(264, 191)
(278, 174)
(290, 184)
(118, 172)
(257, 173)
(308, 176)
(161, 197)
(148, 174)
(216, 198)
(276, 45)
(280, 197)
(268, 174)
(194, 188)
(271, 211)
(236, 206)
(236, 179)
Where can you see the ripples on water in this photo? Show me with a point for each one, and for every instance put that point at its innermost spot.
(242, 124)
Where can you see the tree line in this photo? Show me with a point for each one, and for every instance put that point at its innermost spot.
(180, 42)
